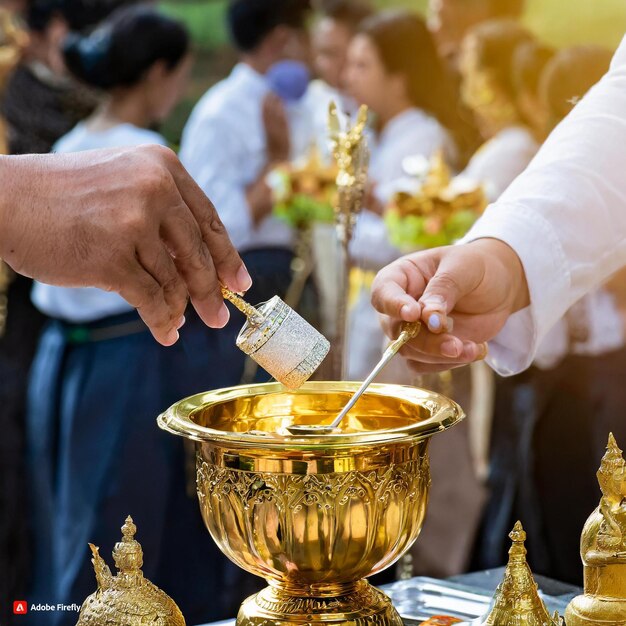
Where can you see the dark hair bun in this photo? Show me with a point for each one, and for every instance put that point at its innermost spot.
(125, 47)
(86, 58)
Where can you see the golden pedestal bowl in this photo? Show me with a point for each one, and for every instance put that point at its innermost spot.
(314, 515)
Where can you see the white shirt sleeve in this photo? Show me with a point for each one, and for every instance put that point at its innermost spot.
(211, 157)
(565, 217)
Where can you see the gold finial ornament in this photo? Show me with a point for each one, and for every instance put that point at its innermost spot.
(13, 41)
(351, 154)
(438, 178)
(517, 601)
(127, 599)
(280, 340)
(603, 549)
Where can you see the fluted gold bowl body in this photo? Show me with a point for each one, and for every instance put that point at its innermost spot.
(313, 515)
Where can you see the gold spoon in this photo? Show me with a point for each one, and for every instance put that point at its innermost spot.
(409, 331)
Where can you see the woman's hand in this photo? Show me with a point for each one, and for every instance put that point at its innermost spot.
(479, 285)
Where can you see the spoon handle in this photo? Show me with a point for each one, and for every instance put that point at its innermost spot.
(409, 331)
(254, 315)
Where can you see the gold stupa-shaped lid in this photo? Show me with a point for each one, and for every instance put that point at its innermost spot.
(127, 599)
(517, 601)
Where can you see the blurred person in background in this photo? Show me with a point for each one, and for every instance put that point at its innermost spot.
(567, 78)
(240, 130)
(488, 90)
(571, 388)
(394, 69)
(529, 63)
(41, 101)
(451, 20)
(338, 21)
(99, 378)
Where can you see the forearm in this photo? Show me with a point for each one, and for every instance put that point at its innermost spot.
(19, 176)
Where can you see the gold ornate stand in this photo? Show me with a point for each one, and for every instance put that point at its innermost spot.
(359, 603)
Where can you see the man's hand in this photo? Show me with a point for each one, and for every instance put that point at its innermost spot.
(128, 220)
(479, 285)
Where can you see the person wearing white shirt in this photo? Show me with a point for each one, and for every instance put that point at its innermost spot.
(530, 407)
(238, 132)
(557, 233)
(239, 129)
(393, 68)
(488, 90)
(99, 378)
(337, 22)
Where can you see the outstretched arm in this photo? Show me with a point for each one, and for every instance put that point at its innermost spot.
(129, 220)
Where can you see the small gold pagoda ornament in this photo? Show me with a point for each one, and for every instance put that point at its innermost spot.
(603, 549)
(517, 601)
(127, 599)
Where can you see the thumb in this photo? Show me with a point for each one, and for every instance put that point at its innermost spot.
(441, 295)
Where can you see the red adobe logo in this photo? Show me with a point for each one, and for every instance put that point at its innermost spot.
(20, 607)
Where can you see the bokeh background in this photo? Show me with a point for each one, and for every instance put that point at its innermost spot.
(558, 22)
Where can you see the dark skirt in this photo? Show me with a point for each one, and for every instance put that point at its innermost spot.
(96, 455)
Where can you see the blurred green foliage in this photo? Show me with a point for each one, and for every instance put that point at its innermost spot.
(204, 18)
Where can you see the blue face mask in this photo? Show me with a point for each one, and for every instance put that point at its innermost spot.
(289, 80)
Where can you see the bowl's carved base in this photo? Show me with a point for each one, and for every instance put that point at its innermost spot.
(363, 605)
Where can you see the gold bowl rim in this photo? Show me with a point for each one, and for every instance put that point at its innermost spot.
(444, 414)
